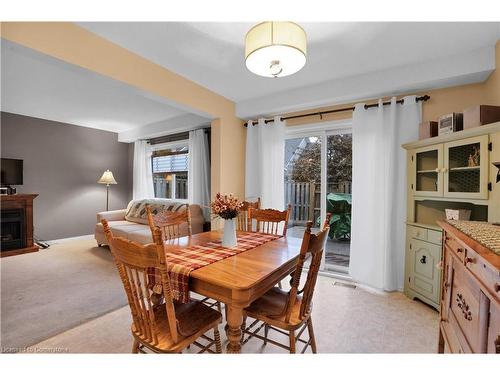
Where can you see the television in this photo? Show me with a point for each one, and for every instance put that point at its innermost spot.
(11, 172)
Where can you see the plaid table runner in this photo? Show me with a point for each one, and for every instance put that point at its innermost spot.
(180, 263)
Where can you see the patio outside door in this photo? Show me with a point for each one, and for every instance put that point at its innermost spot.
(318, 166)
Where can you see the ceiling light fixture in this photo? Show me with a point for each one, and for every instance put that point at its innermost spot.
(275, 49)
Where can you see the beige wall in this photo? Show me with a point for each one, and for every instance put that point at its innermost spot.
(228, 153)
(493, 83)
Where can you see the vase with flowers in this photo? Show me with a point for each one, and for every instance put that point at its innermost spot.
(227, 207)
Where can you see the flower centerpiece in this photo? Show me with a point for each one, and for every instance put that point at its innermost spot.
(227, 207)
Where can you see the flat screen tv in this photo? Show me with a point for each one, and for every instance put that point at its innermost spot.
(11, 172)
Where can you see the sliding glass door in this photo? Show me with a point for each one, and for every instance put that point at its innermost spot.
(303, 183)
(338, 200)
(318, 169)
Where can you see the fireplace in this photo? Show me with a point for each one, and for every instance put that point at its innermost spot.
(12, 234)
(16, 218)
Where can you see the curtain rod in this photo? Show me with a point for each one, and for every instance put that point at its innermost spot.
(206, 128)
(423, 98)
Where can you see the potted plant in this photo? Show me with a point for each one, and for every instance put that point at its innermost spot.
(227, 207)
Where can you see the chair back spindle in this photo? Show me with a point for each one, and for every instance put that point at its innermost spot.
(242, 219)
(134, 261)
(170, 222)
(269, 220)
(314, 245)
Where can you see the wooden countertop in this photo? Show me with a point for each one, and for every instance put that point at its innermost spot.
(487, 254)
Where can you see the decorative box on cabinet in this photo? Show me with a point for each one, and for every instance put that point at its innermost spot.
(470, 304)
(423, 254)
(481, 115)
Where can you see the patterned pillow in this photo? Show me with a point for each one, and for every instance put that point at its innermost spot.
(137, 209)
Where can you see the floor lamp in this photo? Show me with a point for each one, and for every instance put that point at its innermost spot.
(108, 179)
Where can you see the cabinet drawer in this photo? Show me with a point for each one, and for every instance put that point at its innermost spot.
(467, 308)
(417, 232)
(494, 329)
(483, 272)
(447, 281)
(434, 236)
(452, 344)
(457, 248)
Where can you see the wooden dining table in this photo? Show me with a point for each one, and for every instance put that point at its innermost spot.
(240, 279)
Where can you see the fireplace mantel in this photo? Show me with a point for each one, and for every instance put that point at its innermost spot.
(22, 203)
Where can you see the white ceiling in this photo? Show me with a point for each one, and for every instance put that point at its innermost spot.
(40, 86)
(346, 62)
(212, 54)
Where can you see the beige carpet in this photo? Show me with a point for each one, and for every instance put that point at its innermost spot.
(53, 290)
(345, 321)
(69, 298)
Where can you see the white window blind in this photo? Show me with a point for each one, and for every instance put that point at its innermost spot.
(171, 163)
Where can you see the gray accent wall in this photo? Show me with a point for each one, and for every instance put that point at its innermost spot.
(62, 164)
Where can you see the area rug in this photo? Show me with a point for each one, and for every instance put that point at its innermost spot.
(53, 290)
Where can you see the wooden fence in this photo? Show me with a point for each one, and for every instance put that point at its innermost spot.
(305, 198)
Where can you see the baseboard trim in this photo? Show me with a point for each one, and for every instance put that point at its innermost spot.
(371, 289)
(61, 240)
(335, 275)
(349, 279)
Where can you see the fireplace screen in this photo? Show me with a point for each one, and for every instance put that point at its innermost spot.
(12, 234)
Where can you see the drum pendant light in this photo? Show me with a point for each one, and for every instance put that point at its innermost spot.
(275, 49)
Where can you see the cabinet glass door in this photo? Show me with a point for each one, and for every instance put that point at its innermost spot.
(466, 168)
(428, 165)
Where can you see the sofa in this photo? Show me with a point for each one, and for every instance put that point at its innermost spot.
(132, 222)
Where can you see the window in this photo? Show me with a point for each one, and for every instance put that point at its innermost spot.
(170, 164)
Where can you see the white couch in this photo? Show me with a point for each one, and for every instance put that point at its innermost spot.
(132, 223)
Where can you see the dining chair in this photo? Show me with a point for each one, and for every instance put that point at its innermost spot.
(242, 218)
(287, 312)
(169, 222)
(269, 220)
(165, 327)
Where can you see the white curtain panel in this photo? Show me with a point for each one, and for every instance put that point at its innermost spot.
(252, 163)
(199, 171)
(265, 154)
(379, 191)
(143, 174)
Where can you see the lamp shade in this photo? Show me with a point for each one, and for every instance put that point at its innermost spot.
(107, 178)
(275, 49)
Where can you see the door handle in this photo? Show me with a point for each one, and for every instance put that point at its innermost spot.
(423, 259)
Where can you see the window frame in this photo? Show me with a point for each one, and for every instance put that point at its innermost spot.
(322, 130)
(170, 145)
